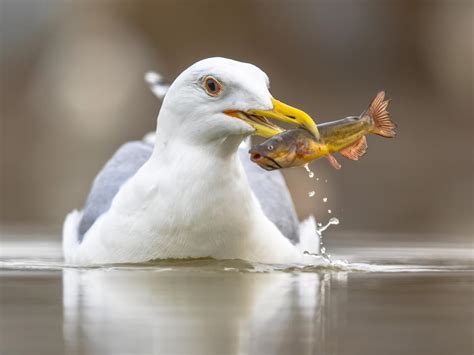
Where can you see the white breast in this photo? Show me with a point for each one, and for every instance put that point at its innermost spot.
(194, 203)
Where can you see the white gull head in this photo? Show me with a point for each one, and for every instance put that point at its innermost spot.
(195, 104)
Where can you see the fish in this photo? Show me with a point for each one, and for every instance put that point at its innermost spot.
(347, 136)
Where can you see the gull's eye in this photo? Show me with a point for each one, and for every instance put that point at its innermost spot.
(212, 86)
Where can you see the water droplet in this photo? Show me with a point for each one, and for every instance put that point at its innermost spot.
(311, 193)
(329, 211)
(325, 199)
(319, 224)
(308, 170)
(317, 179)
(326, 180)
(323, 250)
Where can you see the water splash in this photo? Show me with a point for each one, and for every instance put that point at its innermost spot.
(332, 221)
(320, 228)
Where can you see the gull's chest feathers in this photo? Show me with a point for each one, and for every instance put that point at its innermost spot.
(190, 206)
(202, 198)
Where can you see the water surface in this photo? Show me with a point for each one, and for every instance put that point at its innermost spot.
(394, 300)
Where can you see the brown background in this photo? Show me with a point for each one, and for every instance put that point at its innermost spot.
(72, 91)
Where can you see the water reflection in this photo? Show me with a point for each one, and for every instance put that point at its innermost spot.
(416, 299)
(197, 312)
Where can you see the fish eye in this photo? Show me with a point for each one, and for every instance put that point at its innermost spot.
(270, 147)
(212, 86)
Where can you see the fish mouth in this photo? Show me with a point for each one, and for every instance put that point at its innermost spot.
(264, 161)
(271, 164)
(260, 119)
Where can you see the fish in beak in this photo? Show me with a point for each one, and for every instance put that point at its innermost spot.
(260, 119)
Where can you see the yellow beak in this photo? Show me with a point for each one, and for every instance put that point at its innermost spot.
(258, 119)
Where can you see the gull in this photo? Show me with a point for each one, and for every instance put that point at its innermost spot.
(193, 192)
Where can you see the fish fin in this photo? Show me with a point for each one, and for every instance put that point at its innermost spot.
(382, 122)
(356, 150)
(334, 163)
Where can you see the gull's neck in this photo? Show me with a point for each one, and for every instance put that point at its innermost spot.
(212, 166)
(216, 149)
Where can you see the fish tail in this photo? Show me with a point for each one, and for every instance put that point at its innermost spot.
(382, 123)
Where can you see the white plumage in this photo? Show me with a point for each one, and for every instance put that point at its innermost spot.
(191, 198)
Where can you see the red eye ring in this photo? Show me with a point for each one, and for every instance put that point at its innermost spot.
(212, 86)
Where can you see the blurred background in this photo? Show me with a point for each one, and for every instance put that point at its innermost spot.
(72, 91)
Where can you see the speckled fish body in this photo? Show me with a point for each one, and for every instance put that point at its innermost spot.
(346, 136)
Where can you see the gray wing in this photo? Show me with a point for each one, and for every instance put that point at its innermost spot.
(269, 187)
(123, 165)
